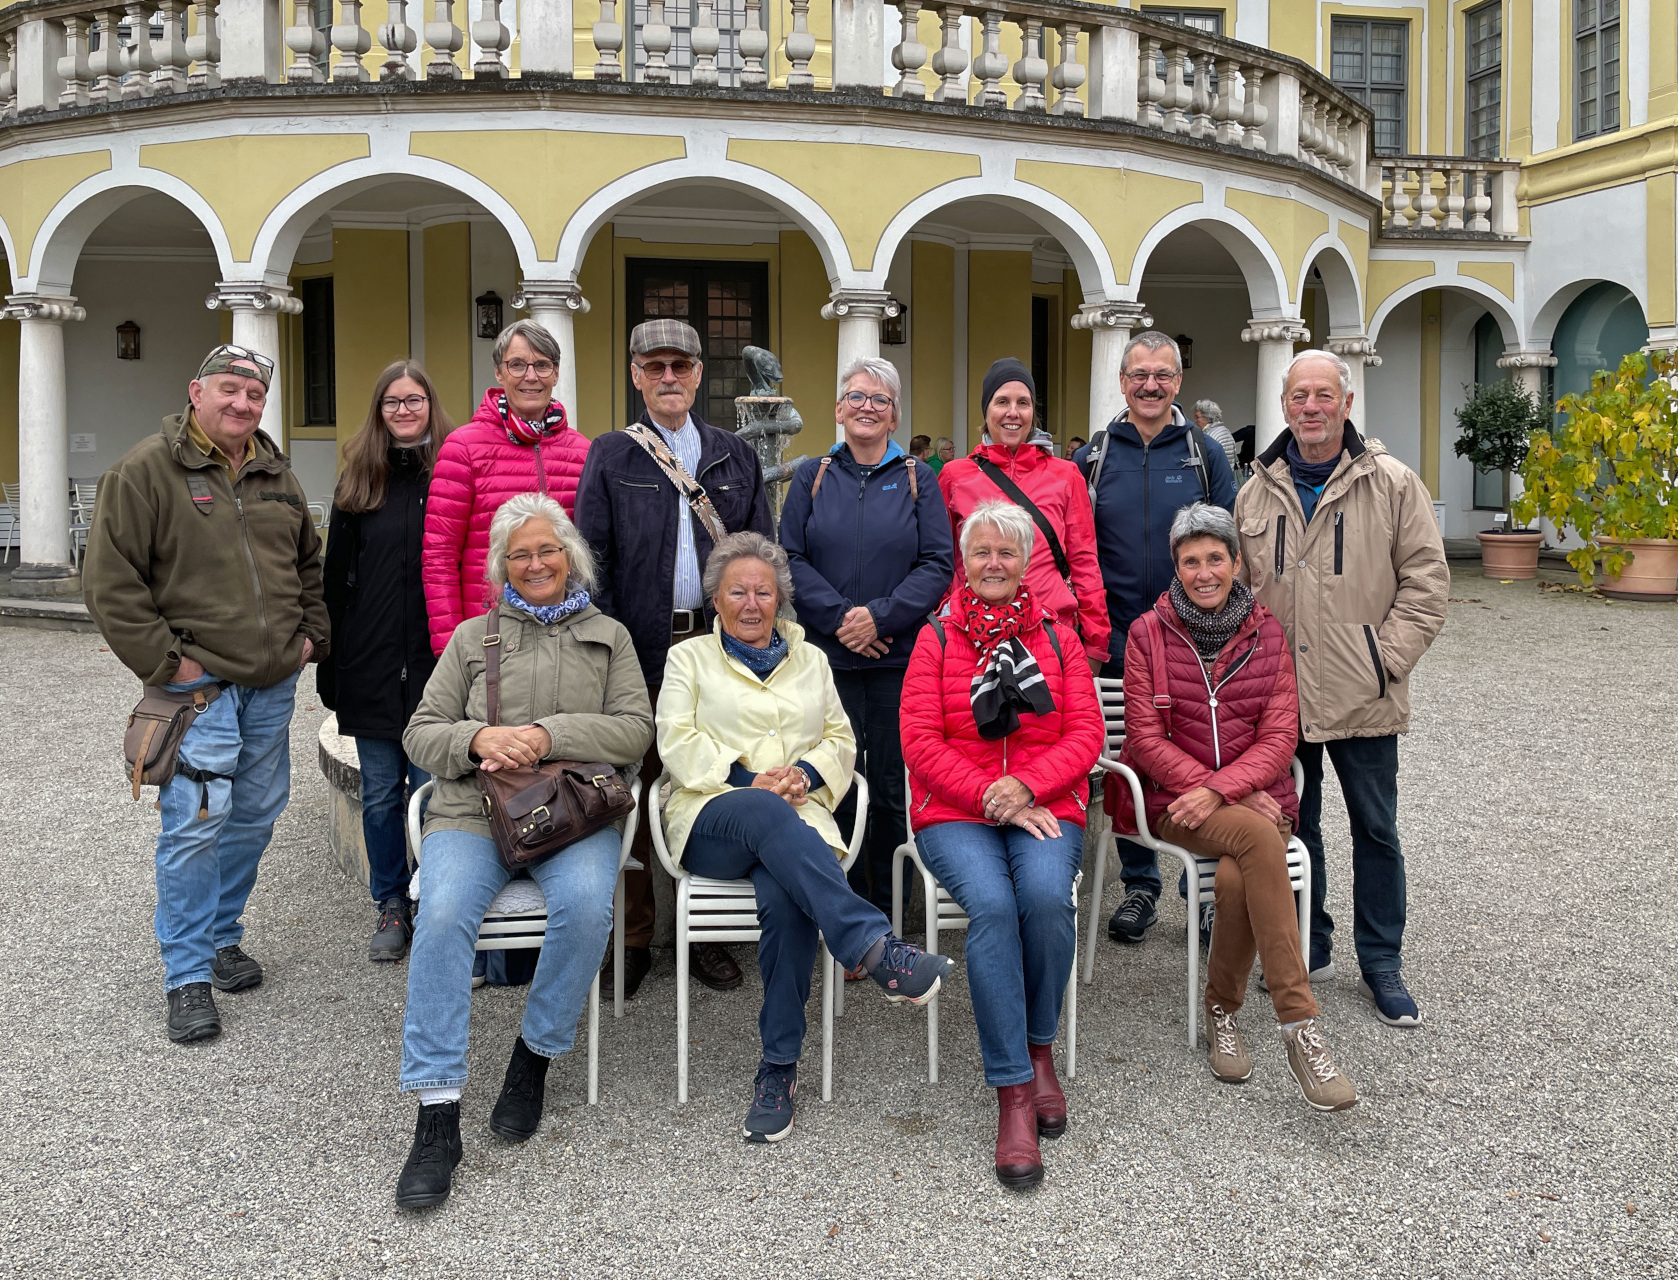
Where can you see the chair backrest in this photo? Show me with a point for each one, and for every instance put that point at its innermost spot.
(317, 512)
(1111, 693)
(14, 494)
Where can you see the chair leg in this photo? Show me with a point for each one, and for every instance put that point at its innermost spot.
(897, 858)
(930, 886)
(1095, 905)
(1304, 902)
(1193, 906)
(831, 975)
(682, 993)
(594, 1041)
(839, 993)
(617, 948)
(1072, 983)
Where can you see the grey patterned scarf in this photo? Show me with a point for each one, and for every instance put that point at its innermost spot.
(1212, 631)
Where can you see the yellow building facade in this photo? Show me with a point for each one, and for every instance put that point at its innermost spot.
(1442, 192)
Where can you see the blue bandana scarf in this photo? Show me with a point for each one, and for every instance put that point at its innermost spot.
(760, 662)
(548, 614)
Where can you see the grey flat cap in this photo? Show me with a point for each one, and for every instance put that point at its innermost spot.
(664, 335)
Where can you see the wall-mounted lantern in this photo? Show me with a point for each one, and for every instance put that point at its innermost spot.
(1185, 344)
(489, 314)
(894, 325)
(128, 341)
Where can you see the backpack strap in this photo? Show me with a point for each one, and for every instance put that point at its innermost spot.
(492, 663)
(914, 483)
(821, 474)
(1197, 459)
(1093, 460)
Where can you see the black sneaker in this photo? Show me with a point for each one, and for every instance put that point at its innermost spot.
(192, 1013)
(518, 1111)
(1394, 1005)
(906, 972)
(426, 1177)
(1206, 914)
(1135, 916)
(233, 970)
(396, 927)
(637, 964)
(770, 1118)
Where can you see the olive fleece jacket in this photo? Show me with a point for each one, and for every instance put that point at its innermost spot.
(183, 562)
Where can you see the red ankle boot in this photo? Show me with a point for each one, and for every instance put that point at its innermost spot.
(1046, 1093)
(1018, 1163)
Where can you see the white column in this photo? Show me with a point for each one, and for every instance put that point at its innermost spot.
(44, 567)
(1110, 325)
(546, 38)
(257, 307)
(555, 304)
(859, 44)
(1358, 351)
(1527, 367)
(40, 44)
(1275, 338)
(252, 40)
(859, 312)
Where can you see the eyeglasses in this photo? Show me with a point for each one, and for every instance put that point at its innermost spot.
(1142, 377)
(245, 353)
(546, 554)
(655, 369)
(413, 404)
(856, 399)
(541, 368)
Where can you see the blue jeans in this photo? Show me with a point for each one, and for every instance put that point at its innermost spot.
(871, 698)
(1017, 893)
(206, 869)
(384, 801)
(755, 835)
(460, 874)
(1368, 772)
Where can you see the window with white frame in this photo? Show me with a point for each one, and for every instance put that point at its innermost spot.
(1596, 67)
(1367, 59)
(1484, 97)
(681, 16)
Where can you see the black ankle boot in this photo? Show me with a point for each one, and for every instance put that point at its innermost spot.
(429, 1172)
(519, 1108)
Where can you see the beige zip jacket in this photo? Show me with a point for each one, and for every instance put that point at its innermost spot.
(1361, 590)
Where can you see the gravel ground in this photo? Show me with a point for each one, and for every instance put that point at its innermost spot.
(1521, 1132)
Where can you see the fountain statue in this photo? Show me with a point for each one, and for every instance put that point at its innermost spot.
(767, 419)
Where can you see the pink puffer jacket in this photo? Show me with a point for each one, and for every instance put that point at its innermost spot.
(479, 468)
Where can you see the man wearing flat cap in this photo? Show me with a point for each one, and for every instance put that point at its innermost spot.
(653, 500)
(203, 573)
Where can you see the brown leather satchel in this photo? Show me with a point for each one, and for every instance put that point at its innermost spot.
(535, 812)
(151, 744)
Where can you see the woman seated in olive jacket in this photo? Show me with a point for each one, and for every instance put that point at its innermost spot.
(756, 743)
(571, 689)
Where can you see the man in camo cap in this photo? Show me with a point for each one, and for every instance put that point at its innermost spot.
(203, 569)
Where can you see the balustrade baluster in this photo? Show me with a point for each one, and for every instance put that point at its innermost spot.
(656, 39)
(169, 49)
(991, 65)
(705, 40)
(73, 67)
(105, 62)
(307, 45)
(1479, 199)
(1069, 74)
(1201, 99)
(1254, 114)
(493, 39)
(951, 59)
(203, 47)
(1177, 94)
(909, 54)
(1150, 89)
(754, 47)
(1398, 197)
(137, 61)
(8, 76)
(1307, 112)
(1456, 183)
(351, 40)
(399, 41)
(1227, 111)
(445, 40)
(800, 47)
(1032, 69)
(608, 39)
(1426, 202)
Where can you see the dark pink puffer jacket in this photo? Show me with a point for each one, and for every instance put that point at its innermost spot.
(479, 468)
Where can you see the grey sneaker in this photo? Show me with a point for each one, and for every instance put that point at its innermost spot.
(1228, 1054)
(395, 928)
(770, 1118)
(1324, 1085)
(233, 970)
(1135, 916)
(905, 972)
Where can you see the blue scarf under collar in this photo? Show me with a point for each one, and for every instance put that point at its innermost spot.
(760, 662)
(548, 614)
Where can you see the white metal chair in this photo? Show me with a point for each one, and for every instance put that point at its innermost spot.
(1201, 872)
(81, 517)
(518, 917)
(944, 912)
(318, 515)
(710, 910)
(13, 517)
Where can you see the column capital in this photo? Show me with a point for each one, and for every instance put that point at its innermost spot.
(40, 306)
(550, 295)
(1535, 359)
(1355, 346)
(1129, 316)
(1276, 329)
(860, 304)
(253, 295)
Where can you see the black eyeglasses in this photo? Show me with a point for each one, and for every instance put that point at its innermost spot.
(413, 404)
(856, 399)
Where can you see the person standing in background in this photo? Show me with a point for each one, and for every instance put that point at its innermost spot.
(943, 450)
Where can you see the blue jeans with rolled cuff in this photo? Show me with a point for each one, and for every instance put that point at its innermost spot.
(388, 778)
(460, 873)
(206, 867)
(1023, 931)
(755, 835)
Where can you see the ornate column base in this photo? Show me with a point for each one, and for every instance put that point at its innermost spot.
(1110, 325)
(46, 582)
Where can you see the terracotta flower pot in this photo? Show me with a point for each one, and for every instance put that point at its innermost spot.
(1510, 555)
(1650, 574)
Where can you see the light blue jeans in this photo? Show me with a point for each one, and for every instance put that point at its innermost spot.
(206, 869)
(1017, 893)
(460, 874)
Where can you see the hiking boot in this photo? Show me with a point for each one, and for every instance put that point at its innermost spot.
(426, 1177)
(1135, 916)
(1394, 1005)
(1046, 1094)
(1019, 1164)
(710, 964)
(1227, 1051)
(770, 1118)
(518, 1111)
(906, 972)
(395, 928)
(192, 1013)
(1322, 1083)
(1207, 912)
(233, 970)
(637, 964)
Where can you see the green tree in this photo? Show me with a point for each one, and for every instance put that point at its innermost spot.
(1497, 425)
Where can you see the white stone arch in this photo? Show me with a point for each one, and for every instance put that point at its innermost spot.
(289, 221)
(1482, 292)
(1542, 331)
(7, 245)
(760, 184)
(1089, 254)
(1340, 283)
(64, 231)
(1267, 279)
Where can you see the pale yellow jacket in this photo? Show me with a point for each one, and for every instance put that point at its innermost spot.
(713, 711)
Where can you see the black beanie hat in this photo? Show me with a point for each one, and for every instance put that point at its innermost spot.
(1000, 375)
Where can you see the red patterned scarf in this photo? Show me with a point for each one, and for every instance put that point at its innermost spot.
(521, 432)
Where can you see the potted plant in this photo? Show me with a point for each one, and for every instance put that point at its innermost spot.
(1610, 473)
(1497, 426)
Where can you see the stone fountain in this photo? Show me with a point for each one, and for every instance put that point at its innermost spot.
(767, 419)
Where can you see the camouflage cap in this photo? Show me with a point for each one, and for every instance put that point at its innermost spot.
(664, 335)
(229, 358)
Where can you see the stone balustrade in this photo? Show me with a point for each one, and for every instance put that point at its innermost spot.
(1448, 196)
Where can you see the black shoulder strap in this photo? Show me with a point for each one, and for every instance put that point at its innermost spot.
(1093, 460)
(1016, 495)
(492, 663)
(1197, 459)
(937, 628)
(1054, 640)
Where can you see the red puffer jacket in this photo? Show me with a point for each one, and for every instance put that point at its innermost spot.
(1058, 489)
(950, 765)
(1244, 744)
(479, 468)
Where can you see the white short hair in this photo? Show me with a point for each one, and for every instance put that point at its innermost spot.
(519, 511)
(882, 371)
(1313, 354)
(1007, 519)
